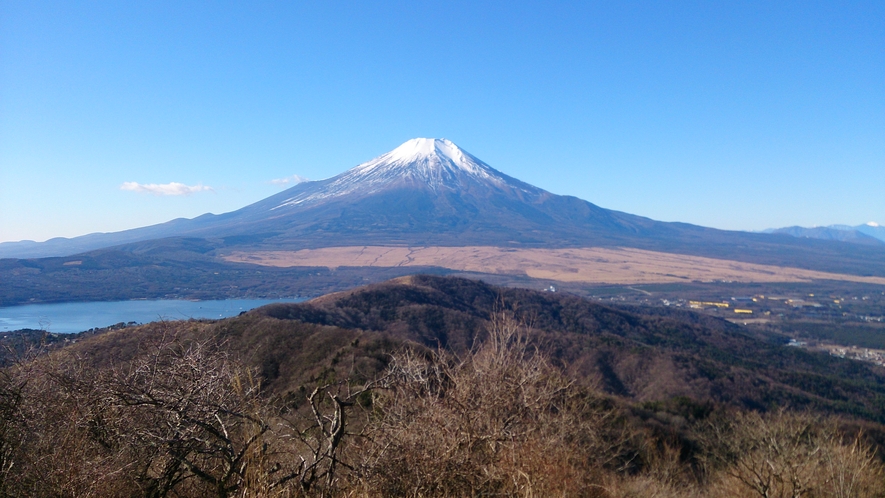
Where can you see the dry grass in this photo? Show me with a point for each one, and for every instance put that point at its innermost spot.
(588, 265)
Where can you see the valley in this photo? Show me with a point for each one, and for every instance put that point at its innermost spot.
(838, 318)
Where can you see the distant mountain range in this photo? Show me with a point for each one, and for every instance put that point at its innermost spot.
(869, 233)
(430, 192)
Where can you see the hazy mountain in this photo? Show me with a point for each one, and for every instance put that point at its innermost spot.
(62, 246)
(872, 229)
(430, 192)
(846, 234)
(869, 233)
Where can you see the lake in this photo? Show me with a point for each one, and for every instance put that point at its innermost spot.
(77, 317)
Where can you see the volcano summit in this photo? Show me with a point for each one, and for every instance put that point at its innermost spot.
(435, 164)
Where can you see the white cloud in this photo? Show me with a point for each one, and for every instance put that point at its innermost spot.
(294, 180)
(173, 188)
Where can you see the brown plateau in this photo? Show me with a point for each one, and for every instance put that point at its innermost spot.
(590, 265)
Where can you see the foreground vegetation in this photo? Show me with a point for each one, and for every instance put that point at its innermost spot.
(185, 415)
(409, 388)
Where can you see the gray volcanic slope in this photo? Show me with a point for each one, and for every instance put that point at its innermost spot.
(431, 192)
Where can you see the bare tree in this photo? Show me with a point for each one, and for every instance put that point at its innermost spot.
(12, 387)
(320, 437)
(58, 445)
(190, 413)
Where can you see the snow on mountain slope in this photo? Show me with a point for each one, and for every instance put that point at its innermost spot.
(436, 164)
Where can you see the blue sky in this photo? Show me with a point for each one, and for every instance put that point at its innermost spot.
(735, 115)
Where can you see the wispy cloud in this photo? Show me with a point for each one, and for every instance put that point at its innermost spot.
(294, 180)
(173, 188)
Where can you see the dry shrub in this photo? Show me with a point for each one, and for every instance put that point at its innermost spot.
(60, 448)
(316, 442)
(184, 418)
(180, 419)
(646, 486)
(663, 473)
(190, 414)
(500, 420)
(13, 387)
(787, 454)
(851, 469)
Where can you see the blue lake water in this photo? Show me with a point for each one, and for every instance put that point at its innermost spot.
(77, 317)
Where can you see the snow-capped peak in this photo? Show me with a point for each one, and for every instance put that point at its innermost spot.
(434, 163)
(426, 154)
(421, 147)
(872, 224)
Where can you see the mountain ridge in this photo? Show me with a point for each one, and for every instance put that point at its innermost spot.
(858, 234)
(842, 233)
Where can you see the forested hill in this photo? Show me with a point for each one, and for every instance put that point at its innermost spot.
(641, 356)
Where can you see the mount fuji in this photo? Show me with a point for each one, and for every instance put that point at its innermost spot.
(426, 191)
(430, 192)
